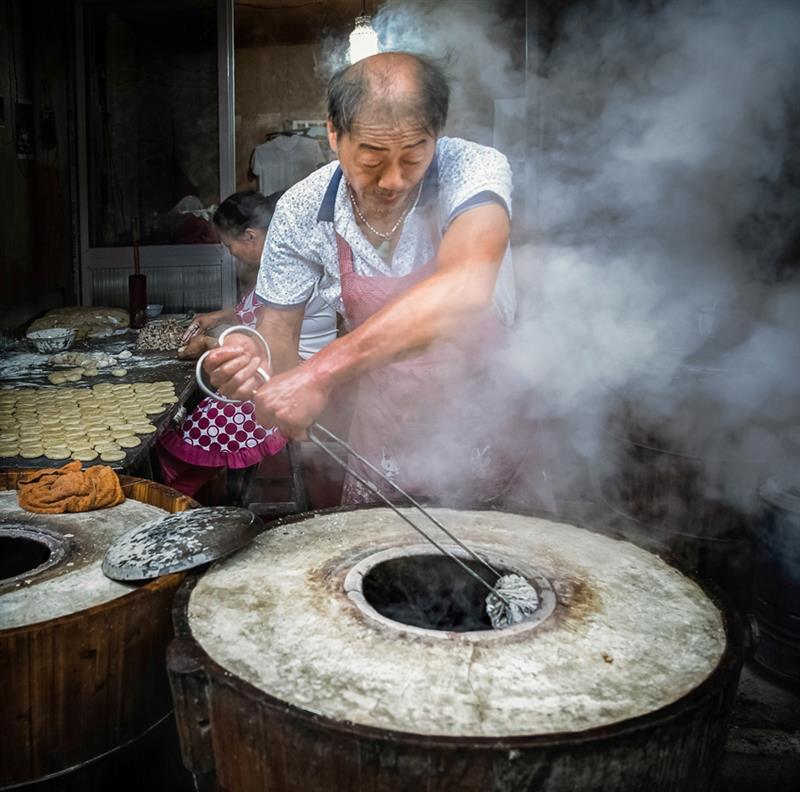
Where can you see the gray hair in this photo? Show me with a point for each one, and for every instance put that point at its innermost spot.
(352, 88)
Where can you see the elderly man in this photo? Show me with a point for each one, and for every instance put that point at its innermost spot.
(407, 237)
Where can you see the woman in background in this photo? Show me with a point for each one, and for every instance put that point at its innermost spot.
(216, 435)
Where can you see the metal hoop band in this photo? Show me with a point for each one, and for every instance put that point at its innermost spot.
(198, 369)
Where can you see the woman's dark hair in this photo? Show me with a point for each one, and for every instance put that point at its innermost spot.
(243, 210)
(350, 89)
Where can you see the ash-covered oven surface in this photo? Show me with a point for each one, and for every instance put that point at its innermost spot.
(628, 633)
(76, 581)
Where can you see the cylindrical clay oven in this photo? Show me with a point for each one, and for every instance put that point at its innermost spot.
(338, 652)
(81, 656)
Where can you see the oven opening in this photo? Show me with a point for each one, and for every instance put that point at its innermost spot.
(431, 592)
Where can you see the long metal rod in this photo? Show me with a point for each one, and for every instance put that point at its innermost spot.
(350, 450)
(371, 486)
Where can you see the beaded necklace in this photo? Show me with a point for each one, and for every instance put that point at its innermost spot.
(386, 236)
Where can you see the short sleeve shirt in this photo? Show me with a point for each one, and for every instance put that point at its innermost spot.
(300, 255)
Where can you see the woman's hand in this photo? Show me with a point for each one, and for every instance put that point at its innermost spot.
(195, 347)
(232, 368)
(206, 321)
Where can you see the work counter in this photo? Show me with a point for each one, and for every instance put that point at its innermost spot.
(24, 368)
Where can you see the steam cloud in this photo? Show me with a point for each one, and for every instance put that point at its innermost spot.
(658, 210)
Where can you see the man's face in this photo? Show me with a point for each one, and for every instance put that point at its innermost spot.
(383, 163)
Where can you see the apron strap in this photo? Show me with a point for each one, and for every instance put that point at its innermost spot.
(345, 255)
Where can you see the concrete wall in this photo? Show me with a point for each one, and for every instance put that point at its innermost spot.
(273, 84)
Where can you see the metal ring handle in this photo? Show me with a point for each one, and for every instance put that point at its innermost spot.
(198, 369)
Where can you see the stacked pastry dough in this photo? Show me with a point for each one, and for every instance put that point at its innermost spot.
(80, 423)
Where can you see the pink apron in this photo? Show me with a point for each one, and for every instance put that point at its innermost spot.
(436, 423)
(225, 435)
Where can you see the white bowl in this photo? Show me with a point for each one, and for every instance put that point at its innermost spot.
(56, 339)
(153, 310)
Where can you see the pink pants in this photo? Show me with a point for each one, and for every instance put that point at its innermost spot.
(183, 476)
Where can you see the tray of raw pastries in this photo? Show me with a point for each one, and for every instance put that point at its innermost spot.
(100, 423)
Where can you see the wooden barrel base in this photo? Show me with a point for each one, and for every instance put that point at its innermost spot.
(82, 684)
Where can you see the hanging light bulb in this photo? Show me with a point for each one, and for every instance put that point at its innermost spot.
(363, 39)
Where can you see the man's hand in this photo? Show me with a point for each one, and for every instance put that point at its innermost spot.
(232, 367)
(292, 401)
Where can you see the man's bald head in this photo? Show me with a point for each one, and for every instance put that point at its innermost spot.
(392, 87)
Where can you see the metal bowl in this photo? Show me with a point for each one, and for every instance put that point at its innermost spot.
(153, 310)
(56, 339)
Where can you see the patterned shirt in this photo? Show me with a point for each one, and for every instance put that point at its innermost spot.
(300, 253)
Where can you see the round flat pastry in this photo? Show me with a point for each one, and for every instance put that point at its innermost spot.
(84, 456)
(57, 453)
(119, 372)
(93, 441)
(106, 448)
(9, 451)
(112, 456)
(57, 379)
(31, 452)
(77, 441)
(128, 442)
(153, 409)
(80, 448)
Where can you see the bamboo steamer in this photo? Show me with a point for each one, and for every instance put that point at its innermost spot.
(81, 658)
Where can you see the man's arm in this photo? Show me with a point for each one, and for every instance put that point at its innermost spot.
(441, 306)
